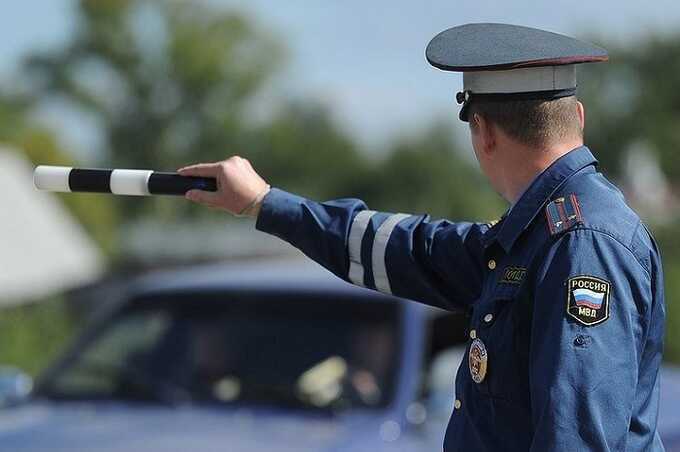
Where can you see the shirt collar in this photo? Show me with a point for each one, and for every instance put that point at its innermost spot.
(521, 194)
(539, 192)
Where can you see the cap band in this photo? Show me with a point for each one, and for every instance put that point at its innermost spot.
(548, 78)
(535, 95)
(467, 97)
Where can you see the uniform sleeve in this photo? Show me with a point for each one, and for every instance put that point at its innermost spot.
(437, 263)
(591, 298)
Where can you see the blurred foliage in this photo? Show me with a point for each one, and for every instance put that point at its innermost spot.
(174, 82)
(32, 335)
(295, 148)
(168, 83)
(634, 98)
(427, 174)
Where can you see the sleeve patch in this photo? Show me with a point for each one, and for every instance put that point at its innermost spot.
(562, 214)
(588, 299)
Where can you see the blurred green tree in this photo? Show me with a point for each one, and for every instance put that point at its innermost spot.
(167, 83)
(429, 174)
(302, 149)
(176, 82)
(634, 98)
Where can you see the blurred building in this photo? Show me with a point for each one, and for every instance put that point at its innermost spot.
(43, 250)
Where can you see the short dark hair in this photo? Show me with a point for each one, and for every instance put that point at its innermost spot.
(533, 122)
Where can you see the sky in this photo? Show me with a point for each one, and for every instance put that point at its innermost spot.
(365, 60)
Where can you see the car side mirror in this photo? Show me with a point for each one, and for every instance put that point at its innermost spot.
(15, 386)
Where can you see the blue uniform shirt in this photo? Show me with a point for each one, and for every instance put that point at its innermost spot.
(565, 295)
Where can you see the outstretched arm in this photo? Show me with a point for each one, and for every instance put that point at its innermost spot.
(434, 262)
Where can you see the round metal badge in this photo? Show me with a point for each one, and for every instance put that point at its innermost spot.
(477, 360)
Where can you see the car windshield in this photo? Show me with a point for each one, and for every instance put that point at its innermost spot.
(315, 352)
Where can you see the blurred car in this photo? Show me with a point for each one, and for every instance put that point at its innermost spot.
(279, 356)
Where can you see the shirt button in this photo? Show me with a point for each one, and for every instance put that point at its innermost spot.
(488, 318)
(473, 334)
(457, 404)
(492, 264)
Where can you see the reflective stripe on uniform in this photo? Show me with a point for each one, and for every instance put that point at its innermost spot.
(382, 236)
(356, 235)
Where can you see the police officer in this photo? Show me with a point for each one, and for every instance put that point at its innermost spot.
(565, 291)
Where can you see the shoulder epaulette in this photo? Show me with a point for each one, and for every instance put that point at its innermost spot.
(563, 214)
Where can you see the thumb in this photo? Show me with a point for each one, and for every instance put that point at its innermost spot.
(207, 198)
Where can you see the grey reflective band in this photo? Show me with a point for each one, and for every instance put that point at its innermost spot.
(382, 237)
(356, 235)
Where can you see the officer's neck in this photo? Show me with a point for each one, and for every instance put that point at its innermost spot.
(522, 164)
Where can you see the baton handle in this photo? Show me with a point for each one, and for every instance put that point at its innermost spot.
(118, 181)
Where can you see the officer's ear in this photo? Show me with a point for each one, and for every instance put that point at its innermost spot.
(485, 133)
(581, 114)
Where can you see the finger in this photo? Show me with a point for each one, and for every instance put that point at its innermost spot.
(202, 197)
(201, 170)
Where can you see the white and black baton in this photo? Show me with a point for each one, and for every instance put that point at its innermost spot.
(118, 181)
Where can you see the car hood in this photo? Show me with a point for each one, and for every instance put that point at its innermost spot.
(86, 427)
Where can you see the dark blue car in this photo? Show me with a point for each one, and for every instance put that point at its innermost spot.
(278, 356)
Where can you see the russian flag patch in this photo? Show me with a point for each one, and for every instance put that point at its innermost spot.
(588, 299)
(562, 214)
